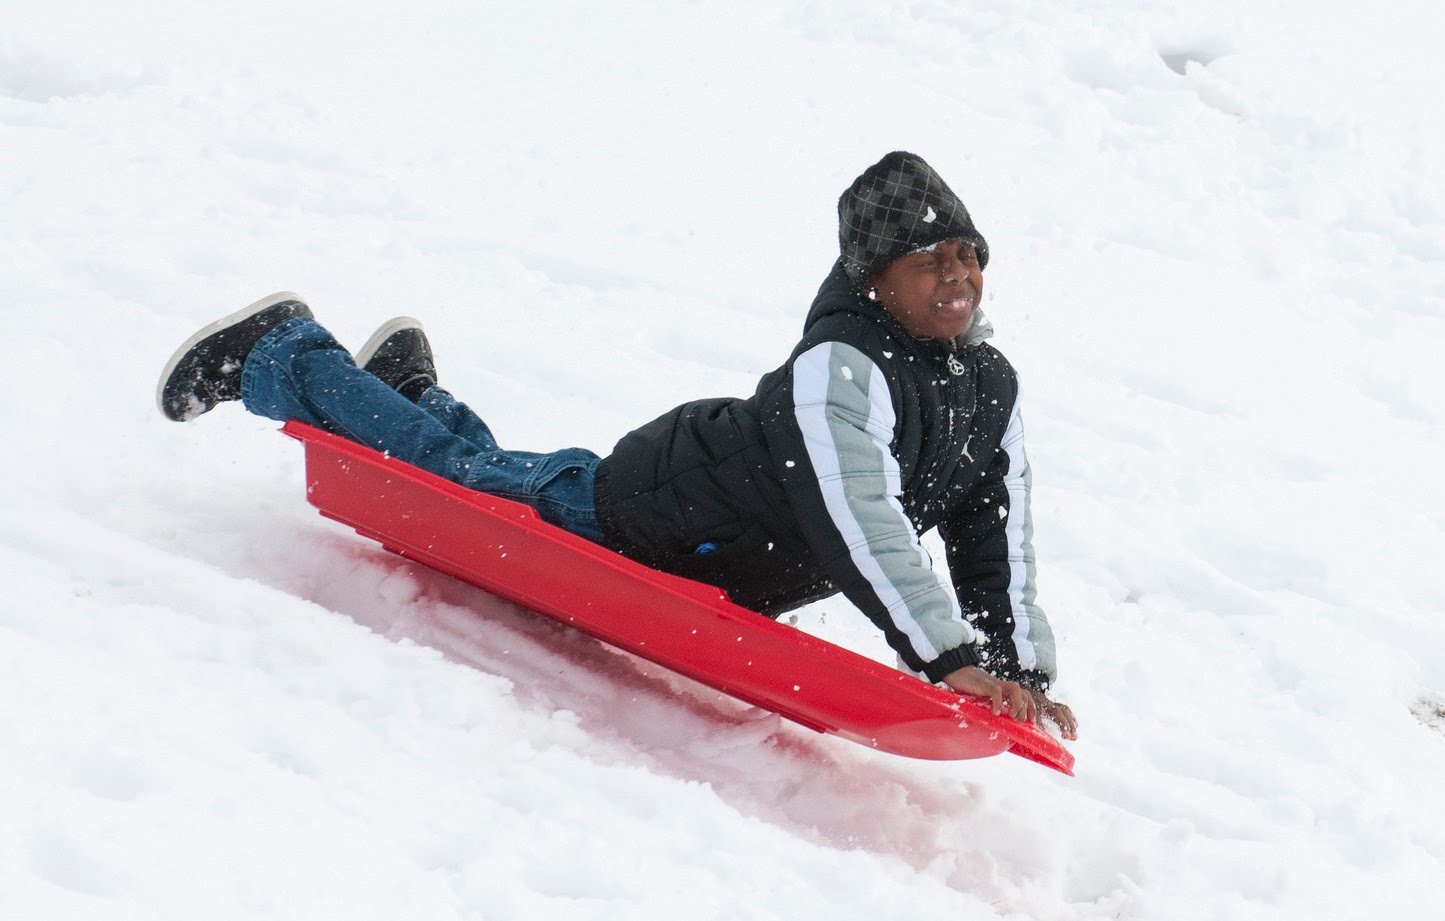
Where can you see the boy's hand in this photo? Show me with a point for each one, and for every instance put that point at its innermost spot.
(1022, 703)
(1061, 715)
(1007, 696)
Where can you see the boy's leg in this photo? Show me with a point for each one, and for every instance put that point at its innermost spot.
(560, 482)
(457, 417)
(299, 371)
(400, 354)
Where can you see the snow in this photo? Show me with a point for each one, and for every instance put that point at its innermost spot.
(1218, 248)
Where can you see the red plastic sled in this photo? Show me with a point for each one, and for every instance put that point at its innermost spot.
(691, 628)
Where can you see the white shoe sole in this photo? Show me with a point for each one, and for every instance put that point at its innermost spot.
(387, 330)
(244, 313)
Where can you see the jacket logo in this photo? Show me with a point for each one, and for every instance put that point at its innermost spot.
(965, 447)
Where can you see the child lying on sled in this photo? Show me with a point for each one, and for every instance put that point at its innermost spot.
(891, 416)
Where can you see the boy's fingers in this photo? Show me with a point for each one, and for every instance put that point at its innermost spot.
(1068, 725)
(1018, 702)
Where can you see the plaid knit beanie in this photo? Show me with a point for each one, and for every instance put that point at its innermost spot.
(898, 205)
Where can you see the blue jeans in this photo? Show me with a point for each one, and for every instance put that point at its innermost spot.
(298, 371)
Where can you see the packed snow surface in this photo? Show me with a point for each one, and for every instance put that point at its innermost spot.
(1218, 236)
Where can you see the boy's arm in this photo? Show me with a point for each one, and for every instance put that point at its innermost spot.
(833, 448)
(989, 540)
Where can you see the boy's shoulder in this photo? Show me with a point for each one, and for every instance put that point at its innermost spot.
(840, 313)
(858, 330)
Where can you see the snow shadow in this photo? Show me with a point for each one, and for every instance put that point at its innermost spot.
(1178, 60)
(637, 712)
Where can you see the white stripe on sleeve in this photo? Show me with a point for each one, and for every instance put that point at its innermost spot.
(1019, 531)
(812, 378)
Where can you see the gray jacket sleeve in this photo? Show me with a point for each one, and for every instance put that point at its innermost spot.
(989, 542)
(844, 482)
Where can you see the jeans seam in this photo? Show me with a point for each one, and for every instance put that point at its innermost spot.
(533, 498)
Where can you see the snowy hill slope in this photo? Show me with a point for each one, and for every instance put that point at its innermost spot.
(1219, 257)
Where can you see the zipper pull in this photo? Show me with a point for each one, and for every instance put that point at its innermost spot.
(955, 367)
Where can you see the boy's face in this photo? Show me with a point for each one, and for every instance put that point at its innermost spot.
(932, 292)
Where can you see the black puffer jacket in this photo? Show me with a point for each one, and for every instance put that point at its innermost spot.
(824, 478)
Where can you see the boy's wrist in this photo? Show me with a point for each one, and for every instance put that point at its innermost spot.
(951, 661)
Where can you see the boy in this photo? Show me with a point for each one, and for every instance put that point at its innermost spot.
(891, 417)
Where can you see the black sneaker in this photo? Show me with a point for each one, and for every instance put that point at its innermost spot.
(206, 370)
(401, 356)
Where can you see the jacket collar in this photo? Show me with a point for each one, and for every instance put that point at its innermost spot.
(979, 329)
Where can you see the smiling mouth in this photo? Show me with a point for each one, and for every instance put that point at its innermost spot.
(958, 305)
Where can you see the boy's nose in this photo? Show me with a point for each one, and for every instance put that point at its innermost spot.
(953, 269)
